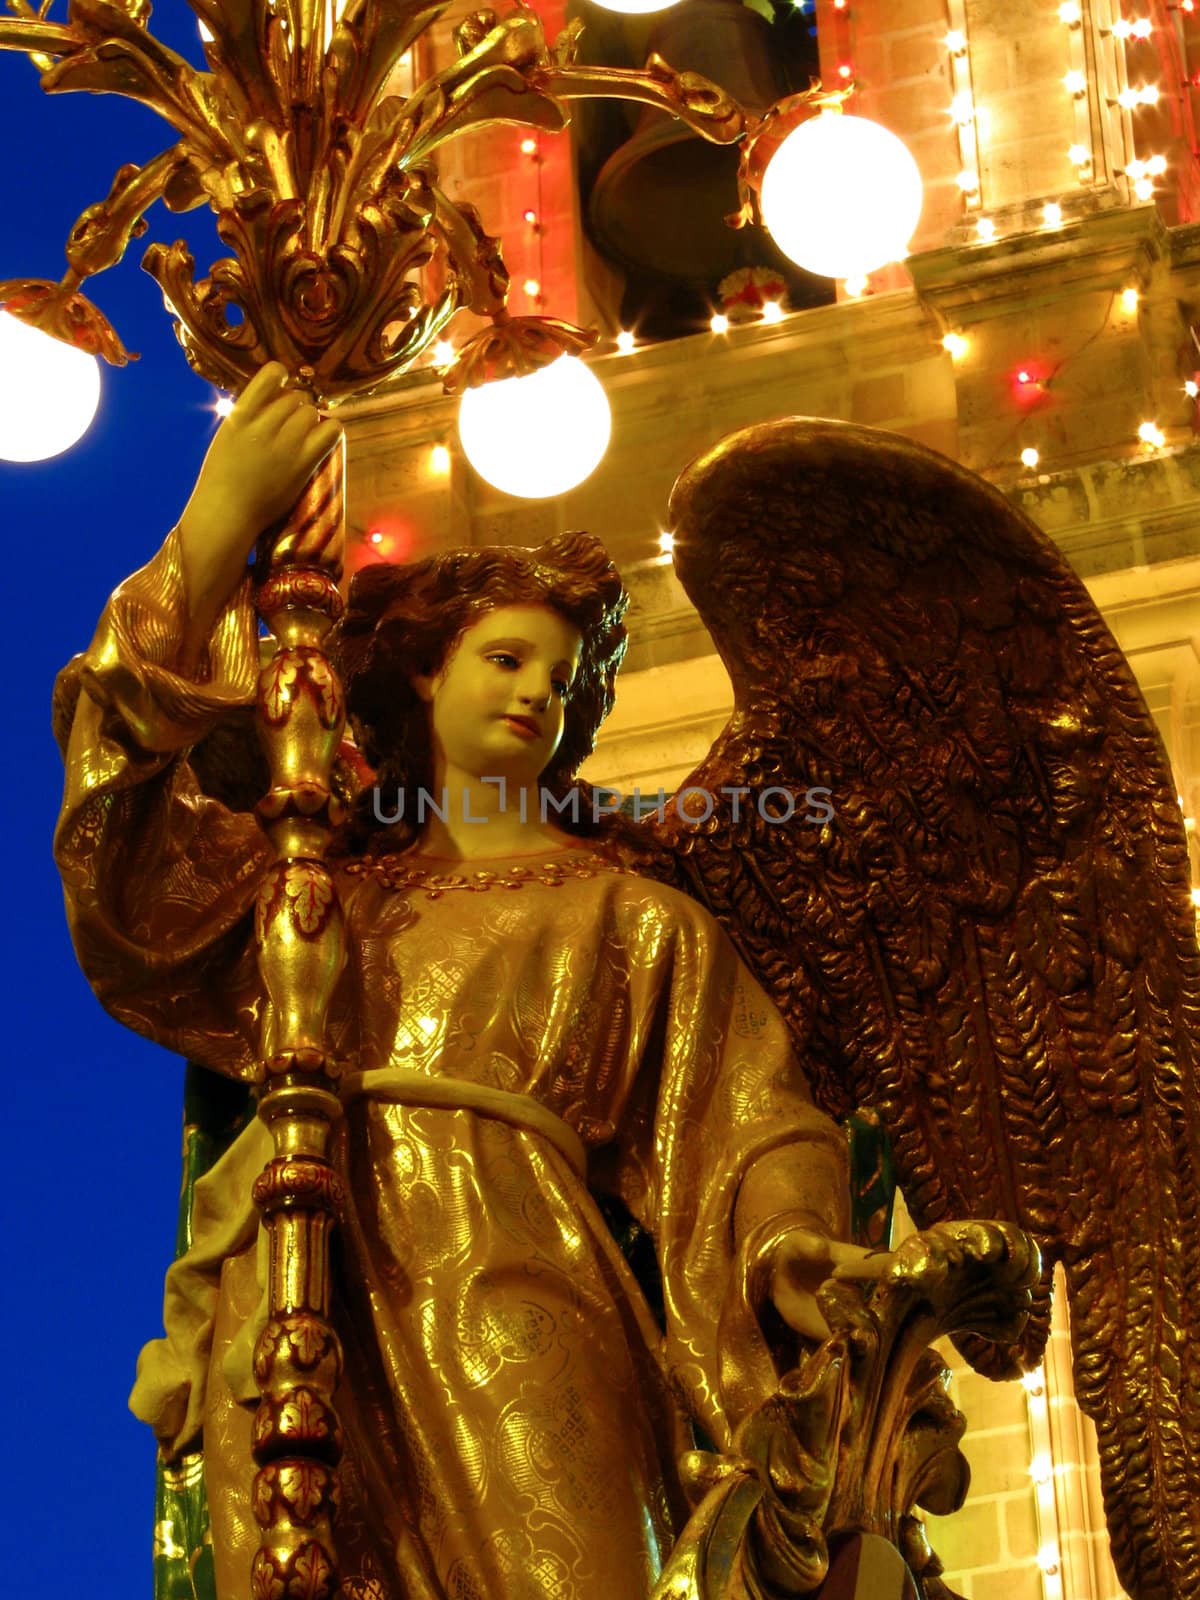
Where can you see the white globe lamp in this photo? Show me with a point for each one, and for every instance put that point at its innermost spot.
(49, 392)
(538, 435)
(635, 8)
(841, 196)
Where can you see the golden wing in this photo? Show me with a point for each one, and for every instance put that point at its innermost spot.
(992, 941)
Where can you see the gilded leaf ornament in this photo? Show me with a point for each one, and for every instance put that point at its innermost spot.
(319, 178)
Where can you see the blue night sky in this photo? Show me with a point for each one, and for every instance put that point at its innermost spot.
(92, 1113)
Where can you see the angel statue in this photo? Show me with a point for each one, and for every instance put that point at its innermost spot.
(558, 1024)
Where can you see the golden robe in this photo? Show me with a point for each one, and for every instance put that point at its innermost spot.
(518, 1037)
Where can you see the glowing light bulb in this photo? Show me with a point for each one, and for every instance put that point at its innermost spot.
(1070, 13)
(532, 288)
(1041, 1468)
(1196, 897)
(1029, 456)
(772, 311)
(530, 216)
(223, 405)
(443, 352)
(1122, 29)
(49, 392)
(439, 460)
(968, 181)
(539, 435)
(806, 186)
(1152, 435)
(1148, 94)
(1128, 98)
(1144, 189)
(857, 286)
(986, 229)
(1135, 169)
(1156, 166)
(1079, 155)
(962, 109)
(666, 542)
(1142, 28)
(956, 345)
(1191, 388)
(1052, 214)
(1075, 83)
(719, 322)
(956, 42)
(1047, 1559)
(845, 71)
(375, 536)
(1129, 299)
(528, 147)
(625, 341)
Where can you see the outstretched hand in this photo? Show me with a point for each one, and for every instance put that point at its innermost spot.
(804, 1259)
(257, 465)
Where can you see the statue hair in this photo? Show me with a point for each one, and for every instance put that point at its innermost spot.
(404, 621)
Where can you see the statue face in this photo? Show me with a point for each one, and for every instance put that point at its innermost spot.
(496, 705)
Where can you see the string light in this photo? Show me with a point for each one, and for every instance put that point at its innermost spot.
(531, 217)
(625, 341)
(1052, 214)
(719, 322)
(856, 287)
(375, 536)
(1030, 459)
(223, 405)
(1144, 189)
(968, 181)
(1152, 435)
(845, 71)
(443, 353)
(956, 42)
(1034, 1383)
(529, 147)
(1156, 166)
(1079, 155)
(666, 542)
(1041, 1468)
(1070, 14)
(439, 460)
(1142, 28)
(1075, 83)
(1121, 29)
(772, 311)
(1129, 299)
(1191, 388)
(532, 288)
(986, 229)
(1047, 1559)
(1196, 898)
(956, 344)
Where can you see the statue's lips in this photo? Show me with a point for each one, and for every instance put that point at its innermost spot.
(524, 726)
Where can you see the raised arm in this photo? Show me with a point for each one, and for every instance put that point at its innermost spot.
(261, 457)
(159, 878)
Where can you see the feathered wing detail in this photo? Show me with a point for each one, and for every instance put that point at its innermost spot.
(992, 940)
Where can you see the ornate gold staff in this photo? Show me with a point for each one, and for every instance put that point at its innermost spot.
(322, 191)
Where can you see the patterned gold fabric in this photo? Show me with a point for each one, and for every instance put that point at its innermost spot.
(513, 1413)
